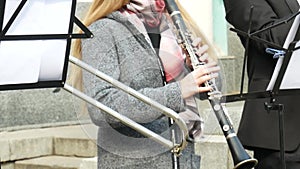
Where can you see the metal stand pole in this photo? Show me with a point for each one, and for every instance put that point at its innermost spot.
(280, 109)
(175, 158)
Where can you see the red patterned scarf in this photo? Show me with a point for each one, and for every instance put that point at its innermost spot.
(151, 12)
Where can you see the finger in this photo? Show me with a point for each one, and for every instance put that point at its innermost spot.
(211, 64)
(204, 69)
(201, 50)
(204, 58)
(204, 89)
(214, 75)
(210, 59)
(208, 65)
(200, 71)
(213, 69)
(205, 78)
(196, 42)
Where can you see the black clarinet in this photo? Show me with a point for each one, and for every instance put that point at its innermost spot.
(240, 157)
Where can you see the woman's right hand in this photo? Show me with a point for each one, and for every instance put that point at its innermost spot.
(192, 83)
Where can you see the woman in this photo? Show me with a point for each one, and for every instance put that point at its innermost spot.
(134, 42)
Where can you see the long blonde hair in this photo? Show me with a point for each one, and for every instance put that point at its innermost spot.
(197, 32)
(100, 8)
(97, 10)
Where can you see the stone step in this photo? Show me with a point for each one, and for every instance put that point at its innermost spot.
(54, 162)
(213, 149)
(215, 153)
(77, 144)
(77, 140)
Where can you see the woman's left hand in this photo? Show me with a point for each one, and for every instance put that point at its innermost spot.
(201, 50)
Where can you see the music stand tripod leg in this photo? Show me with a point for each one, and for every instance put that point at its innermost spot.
(280, 110)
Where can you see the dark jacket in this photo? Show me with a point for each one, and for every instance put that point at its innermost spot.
(258, 128)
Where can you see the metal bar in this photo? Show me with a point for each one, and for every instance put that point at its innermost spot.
(13, 17)
(119, 116)
(164, 110)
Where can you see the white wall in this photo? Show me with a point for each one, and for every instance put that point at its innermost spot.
(201, 11)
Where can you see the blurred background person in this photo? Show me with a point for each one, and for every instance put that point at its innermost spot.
(259, 130)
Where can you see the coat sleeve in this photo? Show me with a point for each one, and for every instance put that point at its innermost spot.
(265, 13)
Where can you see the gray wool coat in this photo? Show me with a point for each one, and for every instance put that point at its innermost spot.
(121, 51)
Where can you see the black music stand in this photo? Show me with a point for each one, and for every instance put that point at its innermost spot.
(276, 90)
(278, 106)
(13, 15)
